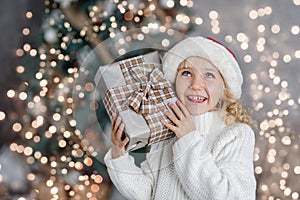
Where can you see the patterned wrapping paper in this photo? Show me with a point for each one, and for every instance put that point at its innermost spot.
(140, 99)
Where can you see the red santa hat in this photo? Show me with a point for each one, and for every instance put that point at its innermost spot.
(219, 55)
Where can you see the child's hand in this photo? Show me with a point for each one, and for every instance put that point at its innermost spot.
(119, 145)
(183, 121)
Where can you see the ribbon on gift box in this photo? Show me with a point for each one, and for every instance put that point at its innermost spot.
(144, 100)
(145, 97)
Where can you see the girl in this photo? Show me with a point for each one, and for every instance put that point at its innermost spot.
(211, 156)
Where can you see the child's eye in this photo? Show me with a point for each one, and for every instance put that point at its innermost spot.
(186, 73)
(209, 75)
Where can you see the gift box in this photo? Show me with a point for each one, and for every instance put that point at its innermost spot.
(136, 89)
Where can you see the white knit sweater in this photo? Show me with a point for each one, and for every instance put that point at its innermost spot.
(214, 162)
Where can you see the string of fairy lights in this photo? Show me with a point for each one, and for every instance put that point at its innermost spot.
(50, 112)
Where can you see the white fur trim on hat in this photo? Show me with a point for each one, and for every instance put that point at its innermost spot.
(216, 53)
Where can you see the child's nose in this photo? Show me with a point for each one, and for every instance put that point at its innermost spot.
(197, 83)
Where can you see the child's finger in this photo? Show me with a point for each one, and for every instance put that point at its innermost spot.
(124, 142)
(113, 120)
(171, 117)
(176, 110)
(170, 126)
(183, 108)
(117, 124)
(120, 132)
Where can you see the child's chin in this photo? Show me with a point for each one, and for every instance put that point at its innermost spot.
(197, 112)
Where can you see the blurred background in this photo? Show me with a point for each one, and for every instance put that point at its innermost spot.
(44, 154)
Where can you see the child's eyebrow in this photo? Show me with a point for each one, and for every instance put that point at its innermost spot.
(210, 69)
(194, 68)
(184, 67)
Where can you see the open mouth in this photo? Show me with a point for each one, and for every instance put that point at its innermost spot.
(196, 98)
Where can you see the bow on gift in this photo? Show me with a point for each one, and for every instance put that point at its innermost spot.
(143, 100)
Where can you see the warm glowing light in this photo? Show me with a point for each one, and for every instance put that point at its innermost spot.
(152, 7)
(19, 52)
(98, 179)
(253, 76)
(20, 69)
(38, 75)
(2, 115)
(264, 125)
(52, 129)
(261, 28)
(23, 96)
(253, 14)
(170, 3)
(56, 117)
(258, 170)
(37, 155)
(62, 143)
(28, 151)
(297, 54)
(247, 58)
(31, 177)
(17, 127)
(295, 30)
(295, 195)
(165, 42)
(54, 190)
(33, 52)
(27, 47)
(275, 29)
(29, 15)
(268, 10)
(244, 45)
(44, 160)
(72, 123)
(286, 140)
(10, 93)
(67, 134)
(296, 2)
(241, 37)
(199, 21)
(287, 58)
(78, 165)
(213, 14)
(20, 149)
(95, 188)
(215, 30)
(88, 161)
(128, 16)
(297, 170)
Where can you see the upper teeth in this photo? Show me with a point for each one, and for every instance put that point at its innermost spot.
(197, 98)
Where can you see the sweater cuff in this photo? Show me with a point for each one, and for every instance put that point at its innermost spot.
(186, 142)
(118, 163)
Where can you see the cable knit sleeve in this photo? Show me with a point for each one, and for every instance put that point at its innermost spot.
(223, 172)
(131, 181)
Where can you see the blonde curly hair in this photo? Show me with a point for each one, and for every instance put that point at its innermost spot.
(235, 112)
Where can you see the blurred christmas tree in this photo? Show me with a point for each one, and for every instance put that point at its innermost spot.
(61, 162)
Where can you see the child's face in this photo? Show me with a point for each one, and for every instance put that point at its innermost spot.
(199, 85)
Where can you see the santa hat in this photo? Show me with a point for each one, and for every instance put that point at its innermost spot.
(219, 55)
